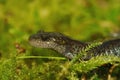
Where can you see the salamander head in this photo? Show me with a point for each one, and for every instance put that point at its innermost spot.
(47, 39)
(58, 42)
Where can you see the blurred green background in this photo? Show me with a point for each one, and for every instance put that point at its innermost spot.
(85, 20)
(81, 19)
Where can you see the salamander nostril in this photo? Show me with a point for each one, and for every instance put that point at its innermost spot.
(44, 37)
(30, 38)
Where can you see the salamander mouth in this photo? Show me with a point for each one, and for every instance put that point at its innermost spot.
(34, 41)
(38, 42)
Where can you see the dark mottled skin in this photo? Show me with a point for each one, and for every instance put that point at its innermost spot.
(69, 47)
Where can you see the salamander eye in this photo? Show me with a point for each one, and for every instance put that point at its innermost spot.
(44, 38)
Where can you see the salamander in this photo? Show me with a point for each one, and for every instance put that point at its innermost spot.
(70, 47)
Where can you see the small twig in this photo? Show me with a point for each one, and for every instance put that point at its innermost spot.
(111, 70)
(83, 77)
